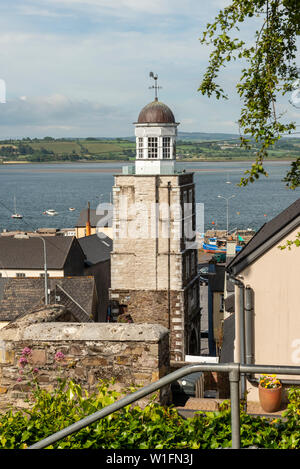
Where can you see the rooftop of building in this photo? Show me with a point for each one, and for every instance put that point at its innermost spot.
(18, 296)
(96, 247)
(268, 235)
(28, 252)
(156, 112)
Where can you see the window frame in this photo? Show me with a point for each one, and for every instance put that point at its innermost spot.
(140, 147)
(166, 148)
(153, 148)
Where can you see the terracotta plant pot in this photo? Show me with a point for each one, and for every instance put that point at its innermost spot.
(270, 399)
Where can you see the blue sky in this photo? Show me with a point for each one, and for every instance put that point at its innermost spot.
(78, 68)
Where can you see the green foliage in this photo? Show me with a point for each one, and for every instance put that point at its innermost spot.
(270, 71)
(155, 427)
(290, 243)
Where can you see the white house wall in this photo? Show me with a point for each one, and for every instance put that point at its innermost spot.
(274, 278)
(30, 273)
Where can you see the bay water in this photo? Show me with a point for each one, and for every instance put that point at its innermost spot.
(38, 187)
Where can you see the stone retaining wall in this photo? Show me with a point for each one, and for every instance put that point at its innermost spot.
(132, 354)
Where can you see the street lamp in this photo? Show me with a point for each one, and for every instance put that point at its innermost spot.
(45, 270)
(227, 201)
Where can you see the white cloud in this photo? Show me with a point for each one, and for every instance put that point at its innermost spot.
(60, 114)
(125, 7)
(31, 10)
(95, 61)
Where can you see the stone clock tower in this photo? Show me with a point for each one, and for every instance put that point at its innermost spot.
(154, 260)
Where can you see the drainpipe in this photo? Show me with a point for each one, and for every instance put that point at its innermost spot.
(241, 315)
(169, 254)
(249, 326)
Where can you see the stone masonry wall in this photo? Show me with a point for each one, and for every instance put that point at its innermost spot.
(133, 354)
(152, 307)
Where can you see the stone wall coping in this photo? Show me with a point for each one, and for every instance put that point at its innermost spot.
(106, 332)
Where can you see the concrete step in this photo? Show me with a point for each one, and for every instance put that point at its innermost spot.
(194, 404)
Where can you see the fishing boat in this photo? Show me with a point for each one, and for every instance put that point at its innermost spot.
(16, 214)
(50, 212)
(216, 245)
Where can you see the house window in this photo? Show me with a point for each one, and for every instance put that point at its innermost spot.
(43, 275)
(185, 197)
(140, 147)
(166, 147)
(152, 147)
(193, 297)
(193, 262)
(20, 274)
(222, 303)
(187, 266)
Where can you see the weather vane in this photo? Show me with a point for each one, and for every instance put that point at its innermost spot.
(155, 86)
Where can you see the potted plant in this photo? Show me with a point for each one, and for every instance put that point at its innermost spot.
(270, 391)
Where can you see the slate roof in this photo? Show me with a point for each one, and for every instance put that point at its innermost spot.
(28, 253)
(268, 235)
(96, 249)
(19, 296)
(94, 218)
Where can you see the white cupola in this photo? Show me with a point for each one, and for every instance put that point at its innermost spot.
(155, 132)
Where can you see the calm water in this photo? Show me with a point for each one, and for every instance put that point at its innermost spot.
(60, 186)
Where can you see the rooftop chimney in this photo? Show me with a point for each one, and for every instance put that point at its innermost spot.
(88, 222)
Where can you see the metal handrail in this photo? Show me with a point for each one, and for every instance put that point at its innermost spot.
(234, 370)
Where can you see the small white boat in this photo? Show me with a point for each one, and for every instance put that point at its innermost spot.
(51, 212)
(228, 180)
(16, 214)
(71, 209)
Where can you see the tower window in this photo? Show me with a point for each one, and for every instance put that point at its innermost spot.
(140, 147)
(166, 147)
(152, 147)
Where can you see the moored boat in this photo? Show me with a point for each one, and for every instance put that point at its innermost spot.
(50, 212)
(216, 245)
(16, 214)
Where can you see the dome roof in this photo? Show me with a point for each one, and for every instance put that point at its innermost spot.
(156, 113)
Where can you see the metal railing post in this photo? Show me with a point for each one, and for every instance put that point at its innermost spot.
(234, 379)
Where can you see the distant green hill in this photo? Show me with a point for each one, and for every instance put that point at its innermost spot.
(202, 136)
(199, 137)
(195, 146)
